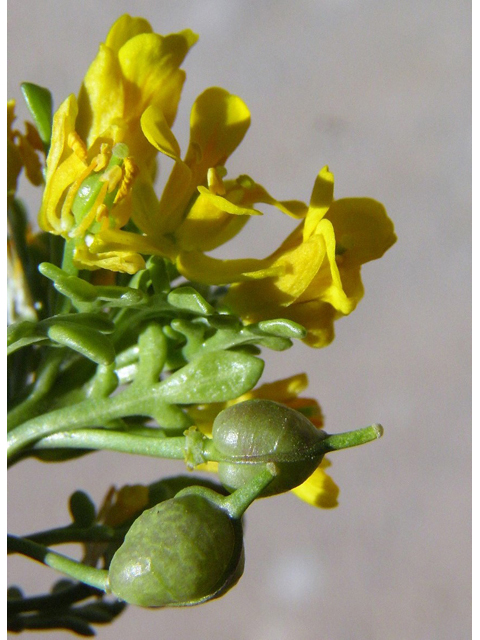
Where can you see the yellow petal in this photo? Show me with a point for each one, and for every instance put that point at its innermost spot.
(125, 28)
(118, 240)
(63, 167)
(319, 489)
(63, 124)
(218, 123)
(295, 269)
(327, 284)
(150, 64)
(158, 133)
(129, 500)
(174, 200)
(222, 204)
(363, 230)
(201, 268)
(282, 390)
(256, 193)
(123, 261)
(212, 467)
(102, 96)
(322, 197)
(300, 265)
(145, 207)
(206, 226)
(318, 318)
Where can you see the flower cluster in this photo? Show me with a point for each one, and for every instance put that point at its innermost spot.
(127, 335)
(100, 191)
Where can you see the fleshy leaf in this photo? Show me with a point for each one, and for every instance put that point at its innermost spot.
(188, 299)
(90, 343)
(212, 377)
(39, 103)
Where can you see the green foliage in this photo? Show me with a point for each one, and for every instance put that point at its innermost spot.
(40, 104)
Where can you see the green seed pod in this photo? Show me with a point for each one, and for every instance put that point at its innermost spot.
(181, 552)
(255, 432)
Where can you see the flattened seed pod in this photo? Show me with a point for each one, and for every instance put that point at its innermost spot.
(255, 432)
(181, 552)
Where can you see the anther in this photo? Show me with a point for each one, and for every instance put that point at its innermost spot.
(130, 172)
(78, 146)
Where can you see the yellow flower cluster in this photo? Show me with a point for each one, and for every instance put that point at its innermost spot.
(100, 190)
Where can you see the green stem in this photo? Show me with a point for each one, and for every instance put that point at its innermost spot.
(72, 534)
(46, 376)
(238, 502)
(89, 412)
(105, 440)
(97, 578)
(337, 441)
(52, 601)
(63, 304)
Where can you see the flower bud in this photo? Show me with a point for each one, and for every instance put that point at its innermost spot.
(250, 434)
(183, 551)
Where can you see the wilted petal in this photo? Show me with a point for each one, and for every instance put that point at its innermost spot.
(124, 261)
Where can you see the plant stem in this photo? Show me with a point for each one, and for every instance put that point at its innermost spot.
(238, 502)
(71, 533)
(103, 439)
(71, 595)
(97, 578)
(63, 304)
(89, 412)
(46, 376)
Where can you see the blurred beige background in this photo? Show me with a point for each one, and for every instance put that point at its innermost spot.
(380, 91)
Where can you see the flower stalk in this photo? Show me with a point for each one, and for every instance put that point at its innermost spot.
(97, 578)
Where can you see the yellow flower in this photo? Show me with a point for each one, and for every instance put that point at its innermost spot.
(313, 278)
(100, 165)
(319, 489)
(121, 504)
(198, 210)
(22, 152)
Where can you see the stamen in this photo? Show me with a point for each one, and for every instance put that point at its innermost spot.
(215, 182)
(103, 217)
(103, 157)
(78, 146)
(102, 212)
(130, 172)
(112, 177)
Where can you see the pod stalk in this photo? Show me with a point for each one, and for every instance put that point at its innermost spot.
(337, 441)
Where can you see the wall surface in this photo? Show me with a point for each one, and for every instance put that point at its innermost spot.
(379, 91)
